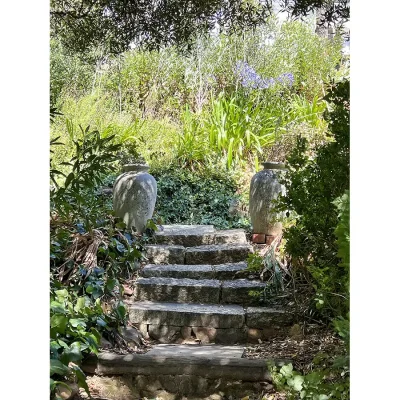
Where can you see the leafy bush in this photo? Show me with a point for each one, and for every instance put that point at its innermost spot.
(330, 376)
(198, 197)
(92, 161)
(76, 326)
(89, 253)
(312, 185)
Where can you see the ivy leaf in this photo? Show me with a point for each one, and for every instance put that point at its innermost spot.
(61, 295)
(110, 284)
(58, 323)
(77, 322)
(57, 367)
(80, 303)
(287, 370)
(72, 354)
(296, 383)
(57, 307)
(121, 311)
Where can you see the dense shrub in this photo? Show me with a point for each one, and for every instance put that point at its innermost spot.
(313, 184)
(90, 253)
(199, 197)
(330, 377)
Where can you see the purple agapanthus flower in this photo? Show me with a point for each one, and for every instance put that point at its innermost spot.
(286, 79)
(250, 79)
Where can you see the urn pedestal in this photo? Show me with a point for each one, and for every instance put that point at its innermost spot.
(264, 190)
(134, 196)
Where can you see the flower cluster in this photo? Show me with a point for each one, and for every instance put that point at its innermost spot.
(286, 79)
(250, 79)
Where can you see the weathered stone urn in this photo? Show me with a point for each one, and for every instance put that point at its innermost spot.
(264, 190)
(134, 196)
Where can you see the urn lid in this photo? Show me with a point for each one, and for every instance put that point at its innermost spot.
(273, 165)
(135, 167)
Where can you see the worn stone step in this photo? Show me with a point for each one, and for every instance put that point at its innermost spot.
(217, 254)
(227, 324)
(185, 314)
(202, 271)
(228, 270)
(165, 254)
(206, 361)
(238, 291)
(197, 290)
(179, 290)
(185, 235)
(230, 236)
(197, 235)
(178, 271)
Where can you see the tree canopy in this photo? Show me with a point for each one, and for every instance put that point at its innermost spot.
(116, 24)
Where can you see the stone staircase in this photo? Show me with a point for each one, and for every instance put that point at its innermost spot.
(190, 300)
(189, 289)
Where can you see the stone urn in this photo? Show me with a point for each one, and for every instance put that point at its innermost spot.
(134, 196)
(264, 190)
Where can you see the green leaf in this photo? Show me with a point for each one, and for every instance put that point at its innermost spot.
(74, 353)
(57, 367)
(89, 289)
(58, 307)
(80, 303)
(61, 295)
(58, 323)
(110, 284)
(287, 370)
(69, 179)
(296, 382)
(77, 322)
(121, 311)
(81, 378)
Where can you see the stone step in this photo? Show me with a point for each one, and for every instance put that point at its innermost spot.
(197, 290)
(217, 254)
(179, 290)
(165, 254)
(205, 361)
(210, 323)
(184, 314)
(206, 254)
(197, 235)
(239, 291)
(202, 271)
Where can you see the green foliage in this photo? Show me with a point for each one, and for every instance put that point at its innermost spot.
(69, 74)
(192, 147)
(342, 232)
(321, 384)
(312, 186)
(116, 24)
(191, 107)
(89, 255)
(92, 160)
(199, 197)
(238, 128)
(330, 377)
(76, 326)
